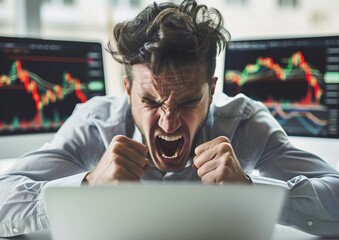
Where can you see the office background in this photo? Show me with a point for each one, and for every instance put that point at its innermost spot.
(245, 19)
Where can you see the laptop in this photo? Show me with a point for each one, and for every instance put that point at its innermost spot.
(164, 211)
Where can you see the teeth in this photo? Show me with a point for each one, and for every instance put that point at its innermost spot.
(174, 156)
(170, 138)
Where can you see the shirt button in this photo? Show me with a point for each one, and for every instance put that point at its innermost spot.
(15, 230)
(309, 223)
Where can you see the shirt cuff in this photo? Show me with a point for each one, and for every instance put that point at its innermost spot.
(268, 181)
(71, 181)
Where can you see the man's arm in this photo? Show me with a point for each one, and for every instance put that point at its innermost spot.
(313, 203)
(22, 188)
(22, 202)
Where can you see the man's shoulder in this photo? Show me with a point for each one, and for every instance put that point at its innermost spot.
(236, 106)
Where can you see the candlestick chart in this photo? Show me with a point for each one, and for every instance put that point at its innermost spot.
(269, 82)
(293, 82)
(39, 89)
(41, 97)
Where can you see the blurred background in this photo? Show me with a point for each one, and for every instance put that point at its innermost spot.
(89, 20)
(94, 21)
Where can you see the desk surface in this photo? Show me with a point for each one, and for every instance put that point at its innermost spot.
(280, 233)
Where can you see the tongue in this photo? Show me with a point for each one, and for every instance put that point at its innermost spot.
(168, 147)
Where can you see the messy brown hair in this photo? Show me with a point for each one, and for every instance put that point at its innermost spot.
(170, 35)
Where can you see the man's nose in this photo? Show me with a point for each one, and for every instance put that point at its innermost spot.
(169, 120)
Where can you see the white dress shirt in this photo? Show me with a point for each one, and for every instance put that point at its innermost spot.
(258, 140)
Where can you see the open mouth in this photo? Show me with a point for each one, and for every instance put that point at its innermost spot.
(169, 146)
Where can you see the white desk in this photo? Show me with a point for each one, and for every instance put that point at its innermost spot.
(280, 233)
(288, 233)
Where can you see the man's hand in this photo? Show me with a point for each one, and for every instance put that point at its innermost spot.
(124, 160)
(216, 163)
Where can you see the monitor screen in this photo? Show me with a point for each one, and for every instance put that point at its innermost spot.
(296, 78)
(42, 80)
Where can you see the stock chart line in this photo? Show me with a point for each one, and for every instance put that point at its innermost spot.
(50, 92)
(305, 118)
(43, 94)
(267, 68)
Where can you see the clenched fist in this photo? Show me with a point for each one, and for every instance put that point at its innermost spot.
(124, 160)
(216, 162)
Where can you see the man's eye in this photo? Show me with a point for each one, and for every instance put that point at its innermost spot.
(189, 104)
(150, 103)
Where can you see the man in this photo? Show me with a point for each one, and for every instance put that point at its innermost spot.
(171, 125)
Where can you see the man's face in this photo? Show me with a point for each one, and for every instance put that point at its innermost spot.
(169, 111)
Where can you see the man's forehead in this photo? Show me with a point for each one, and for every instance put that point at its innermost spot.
(182, 77)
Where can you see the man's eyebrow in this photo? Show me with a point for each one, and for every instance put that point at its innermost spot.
(148, 97)
(190, 99)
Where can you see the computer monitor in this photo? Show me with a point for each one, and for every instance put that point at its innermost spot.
(41, 81)
(296, 78)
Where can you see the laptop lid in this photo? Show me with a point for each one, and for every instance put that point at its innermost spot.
(164, 211)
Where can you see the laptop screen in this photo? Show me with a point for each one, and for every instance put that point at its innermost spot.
(296, 78)
(41, 81)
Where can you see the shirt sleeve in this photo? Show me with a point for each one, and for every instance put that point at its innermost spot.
(313, 201)
(22, 203)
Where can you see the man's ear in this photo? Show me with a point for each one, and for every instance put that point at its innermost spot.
(213, 85)
(128, 89)
(212, 89)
